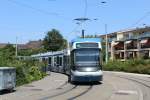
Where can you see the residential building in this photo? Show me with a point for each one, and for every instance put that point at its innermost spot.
(129, 44)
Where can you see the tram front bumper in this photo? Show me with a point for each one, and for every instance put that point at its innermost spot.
(86, 76)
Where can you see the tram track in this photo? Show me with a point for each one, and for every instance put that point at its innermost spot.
(71, 94)
(63, 89)
(142, 79)
(136, 80)
(81, 94)
(61, 86)
(76, 91)
(131, 88)
(141, 82)
(60, 90)
(59, 93)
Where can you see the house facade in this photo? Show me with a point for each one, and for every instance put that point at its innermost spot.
(129, 44)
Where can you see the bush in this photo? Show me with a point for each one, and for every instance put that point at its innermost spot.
(29, 71)
(26, 71)
(134, 66)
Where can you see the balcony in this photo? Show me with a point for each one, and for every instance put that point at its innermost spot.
(119, 46)
(132, 37)
(121, 39)
(131, 44)
(145, 43)
(144, 46)
(145, 35)
(112, 39)
(109, 40)
(131, 47)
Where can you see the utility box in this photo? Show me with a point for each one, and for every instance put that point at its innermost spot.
(7, 78)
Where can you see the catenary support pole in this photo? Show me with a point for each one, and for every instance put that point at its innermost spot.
(16, 46)
(106, 52)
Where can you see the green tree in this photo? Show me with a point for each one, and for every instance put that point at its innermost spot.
(54, 41)
(8, 51)
(7, 54)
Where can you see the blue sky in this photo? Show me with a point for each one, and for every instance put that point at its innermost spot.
(31, 19)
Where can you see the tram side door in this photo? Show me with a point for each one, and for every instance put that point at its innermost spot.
(45, 61)
(49, 63)
(55, 63)
(61, 69)
(66, 64)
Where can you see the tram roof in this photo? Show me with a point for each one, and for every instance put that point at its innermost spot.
(46, 54)
(86, 40)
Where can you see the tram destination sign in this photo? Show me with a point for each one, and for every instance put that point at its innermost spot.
(87, 45)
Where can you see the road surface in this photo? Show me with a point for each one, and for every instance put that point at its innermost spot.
(115, 86)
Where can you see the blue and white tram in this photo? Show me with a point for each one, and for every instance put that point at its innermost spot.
(81, 62)
(86, 60)
(58, 61)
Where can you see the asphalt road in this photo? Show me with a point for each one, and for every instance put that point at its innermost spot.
(115, 86)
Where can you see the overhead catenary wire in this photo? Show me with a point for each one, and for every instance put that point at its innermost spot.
(141, 19)
(138, 21)
(38, 10)
(73, 30)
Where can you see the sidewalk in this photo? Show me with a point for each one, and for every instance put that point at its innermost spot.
(50, 82)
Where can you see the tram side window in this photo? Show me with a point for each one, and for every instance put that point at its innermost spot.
(49, 60)
(43, 59)
(65, 61)
(57, 61)
(60, 61)
(72, 59)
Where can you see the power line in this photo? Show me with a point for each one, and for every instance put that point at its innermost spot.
(72, 32)
(37, 9)
(142, 18)
(138, 21)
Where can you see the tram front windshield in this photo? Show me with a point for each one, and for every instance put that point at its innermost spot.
(87, 57)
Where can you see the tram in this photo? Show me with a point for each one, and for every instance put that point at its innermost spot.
(86, 60)
(82, 62)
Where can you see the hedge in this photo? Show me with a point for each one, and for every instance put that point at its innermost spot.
(134, 66)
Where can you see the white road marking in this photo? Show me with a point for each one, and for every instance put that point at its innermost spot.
(140, 94)
(58, 80)
(126, 92)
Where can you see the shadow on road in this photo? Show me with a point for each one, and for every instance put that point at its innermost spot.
(3, 92)
(86, 83)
